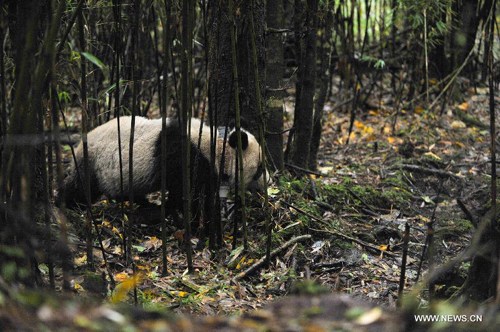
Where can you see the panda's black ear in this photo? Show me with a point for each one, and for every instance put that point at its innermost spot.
(233, 140)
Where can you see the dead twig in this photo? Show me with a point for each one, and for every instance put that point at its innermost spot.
(360, 242)
(402, 276)
(275, 252)
(371, 209)
(426, 170)
(305, 213)
(353, 239)
(470, 120)
(303, 170)
(467, 213)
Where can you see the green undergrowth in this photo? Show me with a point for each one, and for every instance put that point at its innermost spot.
(315, 197)
(310, 205)
(316, 206)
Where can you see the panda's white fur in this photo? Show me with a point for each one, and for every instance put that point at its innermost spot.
(104, 155)
(105, 168)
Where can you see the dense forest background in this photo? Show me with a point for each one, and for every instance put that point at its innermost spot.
(377, 123)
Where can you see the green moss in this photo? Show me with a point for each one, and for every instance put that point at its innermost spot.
(335, 195)
(396, 195)
(397, 180)
(462, 226)
(308, 287)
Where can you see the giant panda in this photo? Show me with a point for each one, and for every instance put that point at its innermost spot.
(104, 164)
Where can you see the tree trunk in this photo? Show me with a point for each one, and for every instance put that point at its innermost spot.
(438, 62)
(463, 36)
(248, 100)
(219, 67)
(481, 282)
(220, 81)
(298, 27)
(185, 120)
(304, 109)
(274, 82)
(324, 56)
(19, 182)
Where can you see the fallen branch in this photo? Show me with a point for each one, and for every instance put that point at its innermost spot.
(325, 206)
(353, 239)
(275, 252)
(358, 241)
(467, 213)
(307, 214)
(432, 171)
(370, 208)
(470, 120)
(303, 170)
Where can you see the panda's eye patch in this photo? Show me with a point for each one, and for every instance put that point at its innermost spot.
(258, 173)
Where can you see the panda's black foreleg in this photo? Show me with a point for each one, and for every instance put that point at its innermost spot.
(205, 220)
(143, 201)
(176, 219)
(172, 208)
(73, 192)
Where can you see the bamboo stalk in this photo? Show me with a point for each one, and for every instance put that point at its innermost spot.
(163, 109)
(185, 119)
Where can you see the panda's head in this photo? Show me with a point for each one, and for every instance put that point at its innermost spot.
(226, 154)
(254, 171)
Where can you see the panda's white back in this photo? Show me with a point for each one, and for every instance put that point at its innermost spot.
(106, 156)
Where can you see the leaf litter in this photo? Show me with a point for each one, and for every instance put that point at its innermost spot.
(388, 175)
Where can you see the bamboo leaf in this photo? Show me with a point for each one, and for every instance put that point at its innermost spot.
(95, 60)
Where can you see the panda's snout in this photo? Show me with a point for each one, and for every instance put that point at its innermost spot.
(254, 187)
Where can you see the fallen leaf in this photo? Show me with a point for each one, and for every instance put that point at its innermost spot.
(358, 124)
(369, 317)
(179, 235)
(122, 276)
(432, 155)
(124, 287)
(419, 109)
(152, 244)
(457, 124)
(325, 169)
(80, 261)
(463, 106)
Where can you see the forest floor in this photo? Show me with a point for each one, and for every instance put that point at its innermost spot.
(341, 228)
(418, 169)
